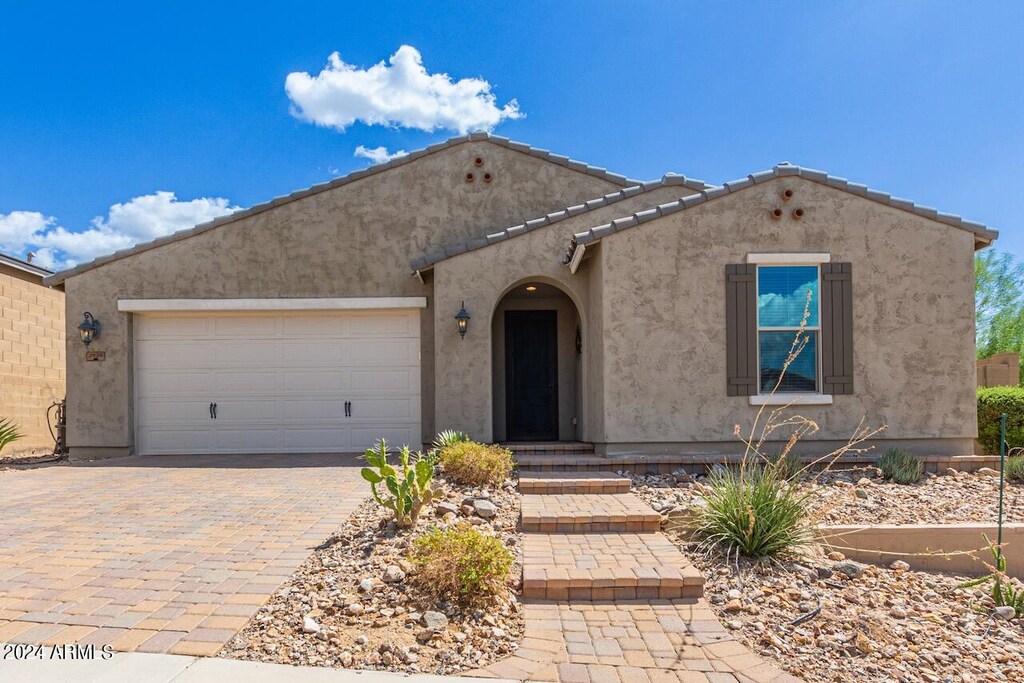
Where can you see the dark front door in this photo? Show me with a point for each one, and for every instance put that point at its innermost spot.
(531, 375)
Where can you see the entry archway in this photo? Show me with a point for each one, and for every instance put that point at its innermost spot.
(537, 361)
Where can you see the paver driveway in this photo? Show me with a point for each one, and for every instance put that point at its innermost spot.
(170, 554)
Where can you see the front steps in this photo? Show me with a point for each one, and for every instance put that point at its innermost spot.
(557, 482)
(582, 543)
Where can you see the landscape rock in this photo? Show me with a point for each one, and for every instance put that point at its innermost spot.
(434, 621)
(393, 574)
(851, 570)
(485, 508)
(309, 625)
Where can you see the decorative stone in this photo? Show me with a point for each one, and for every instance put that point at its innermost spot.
(393, 574)
(366, 585)
(851, 570)
(1004, 612)
(445, 508)
(899, 566)
(309, 625)
(434, 621)
(485, 508)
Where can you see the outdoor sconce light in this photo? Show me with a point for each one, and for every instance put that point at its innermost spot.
(462, 320)
(89, 328)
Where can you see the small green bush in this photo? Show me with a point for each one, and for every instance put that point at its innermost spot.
(993, 402)
(1015, 469)
(754, 510)
(9, 433)
(476, 464)
(461, 564)
(901, 467)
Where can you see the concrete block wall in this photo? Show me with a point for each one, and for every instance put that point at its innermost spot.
(32, 368)
(1000, 370)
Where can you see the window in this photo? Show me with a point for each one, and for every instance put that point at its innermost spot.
(782, 299)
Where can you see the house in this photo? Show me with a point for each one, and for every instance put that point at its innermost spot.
(31, 351)
(641, 317)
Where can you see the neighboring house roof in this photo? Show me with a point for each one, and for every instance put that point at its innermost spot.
(669, 180)
(344, 180)
(983, 234)
(25, 266)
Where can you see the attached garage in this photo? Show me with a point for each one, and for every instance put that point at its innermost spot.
(241, 376)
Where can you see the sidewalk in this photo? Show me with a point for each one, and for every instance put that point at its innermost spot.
(137, 667)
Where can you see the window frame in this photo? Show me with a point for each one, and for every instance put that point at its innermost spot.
(816, 397)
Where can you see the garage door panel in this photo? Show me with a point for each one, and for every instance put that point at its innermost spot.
(378, 352)
(246, 327)
(280, 381)
(331, 410)
(309, 353)
(401, 380)
(320, 381)
(176, 327)
(170, 383)
(322, 440)
(174, 354)
(169, 412)
(246, 382)
(396, 436)
(397, 325)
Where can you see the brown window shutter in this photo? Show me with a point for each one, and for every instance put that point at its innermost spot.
(741, 329)
(837, 328)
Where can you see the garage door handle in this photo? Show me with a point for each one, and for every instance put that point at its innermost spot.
(348, 408)
(213, 411)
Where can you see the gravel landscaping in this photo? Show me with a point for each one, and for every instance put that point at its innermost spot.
(827, 619)
(861, 496)
(355, 604)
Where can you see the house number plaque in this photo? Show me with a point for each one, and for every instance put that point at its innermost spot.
(95, 355)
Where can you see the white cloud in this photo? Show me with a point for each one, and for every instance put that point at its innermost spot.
(398, 94)
(140, 219)
(378, 155)
(18, 227)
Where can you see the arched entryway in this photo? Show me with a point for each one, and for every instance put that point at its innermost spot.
(537, 357)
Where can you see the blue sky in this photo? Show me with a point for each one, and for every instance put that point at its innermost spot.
(104, 105)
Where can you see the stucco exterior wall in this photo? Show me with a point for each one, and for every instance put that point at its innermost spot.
(664, 313)
(31, 356)
(351, 241)
(464, 367)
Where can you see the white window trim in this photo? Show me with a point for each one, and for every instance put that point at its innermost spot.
(791, 399)
(790, 259)
(346, 304)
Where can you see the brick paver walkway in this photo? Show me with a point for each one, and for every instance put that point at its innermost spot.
(171, 554)
(586, 633)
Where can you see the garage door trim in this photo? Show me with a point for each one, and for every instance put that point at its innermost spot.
(337, 304)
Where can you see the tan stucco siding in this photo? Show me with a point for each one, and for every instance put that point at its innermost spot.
(664, 314)
(355, 240)
(481, 278)
(31, 356)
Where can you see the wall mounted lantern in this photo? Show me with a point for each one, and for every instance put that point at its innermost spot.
(89, 328)
(462, 320)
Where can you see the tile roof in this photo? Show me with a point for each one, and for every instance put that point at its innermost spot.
(25, 266)
(782, 170)
(344, 180)
(669, 180)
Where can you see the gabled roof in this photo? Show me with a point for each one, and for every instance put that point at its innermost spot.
(669, 180)
(983, 234)
(25, 266)
(479, 136)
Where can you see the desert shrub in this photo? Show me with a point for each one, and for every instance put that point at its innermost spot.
(993, 402)
(449, 437)
(407, 489)
(476, 464)
(901, 467)
(754, 510)
(787, 465)
(1005, 590)
(9, 433)
(1015, 469)
(461, 564)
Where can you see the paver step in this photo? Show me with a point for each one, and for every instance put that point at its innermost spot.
(573, 482)
(607, 566)
(587, 513)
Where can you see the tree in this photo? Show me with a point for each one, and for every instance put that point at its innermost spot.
(999, 304)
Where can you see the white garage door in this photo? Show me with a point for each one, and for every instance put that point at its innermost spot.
(303, 382)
